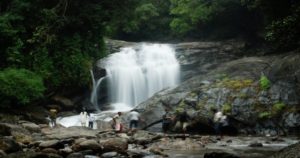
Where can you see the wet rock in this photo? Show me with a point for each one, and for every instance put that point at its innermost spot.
(9, 145)
(291, 151)
(49, 150)
(114, 144)
(32, 127)
(88, 144)
(109, 155)
(49, 144)
(219, 155)
(19, 133)
(87, 152)
(291, 119)
(76, 155)
(158, 151)
(2, 153)
(31, 154)
(71, 132)
(91, 156)
(139, 153)
(144, 137)
(66, 150)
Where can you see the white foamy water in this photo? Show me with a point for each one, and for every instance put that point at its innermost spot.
(135, 74)
(104, 116)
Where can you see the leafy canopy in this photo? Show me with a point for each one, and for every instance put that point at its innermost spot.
(21, 85)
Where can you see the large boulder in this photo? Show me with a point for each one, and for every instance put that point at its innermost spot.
(49, 144)
(114, 144)
(88, 144)
(32, 154)
(71, 132)
(20, 134)
(9, 145)
(32, 127)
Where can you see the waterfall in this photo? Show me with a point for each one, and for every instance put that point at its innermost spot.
(94, 98)
(136, 73)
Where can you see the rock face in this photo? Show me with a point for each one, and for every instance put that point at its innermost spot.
(235, 88)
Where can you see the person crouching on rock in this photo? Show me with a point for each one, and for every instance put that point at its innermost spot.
(182, 119)
(117, 123)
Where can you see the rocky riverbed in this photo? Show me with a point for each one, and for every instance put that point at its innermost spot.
(27, 139)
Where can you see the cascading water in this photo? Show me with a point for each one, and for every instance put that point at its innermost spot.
(94, 98)
(135, 74)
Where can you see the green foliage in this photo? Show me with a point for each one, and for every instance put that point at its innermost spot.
(20, 84)
(56, 39)
(264, 115)
(207, 18)
(277, 108)
(235, 84)
(264, 82)
(227, 108)
(143, 20)
(275, 111)
(285, 33)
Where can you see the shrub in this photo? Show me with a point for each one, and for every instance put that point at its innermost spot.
(265, 115)
(264, 82)
(20, 85)
(277, 108)
(227, 108)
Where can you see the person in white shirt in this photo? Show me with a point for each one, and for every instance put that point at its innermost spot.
(134, 118)
(91, 121)
(219, 120)
(83, 116)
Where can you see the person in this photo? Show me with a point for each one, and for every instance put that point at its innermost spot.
(134, 118)
(117, 122)
(53, 114)
(219, 120)
(182, 119)
(166, 121)
(91, 120)
(83, 117)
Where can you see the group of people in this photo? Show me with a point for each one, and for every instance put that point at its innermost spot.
(87, 118)
(134, 118)
(182, 119)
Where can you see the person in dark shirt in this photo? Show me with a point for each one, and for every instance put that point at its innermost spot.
(166, 121)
